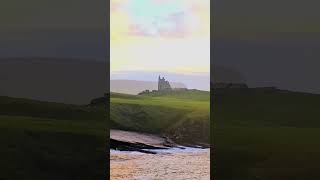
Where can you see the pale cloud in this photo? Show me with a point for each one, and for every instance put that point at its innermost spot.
(160, 35)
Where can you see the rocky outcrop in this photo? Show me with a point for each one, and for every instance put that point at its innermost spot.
(134, 141)
(128, 146)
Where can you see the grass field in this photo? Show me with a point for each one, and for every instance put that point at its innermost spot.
(41, 140)
(266, 134)
(44, 140)
(183, 116)
(257, 133)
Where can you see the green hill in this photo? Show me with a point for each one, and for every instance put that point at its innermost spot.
(183, 116)
(266, 134)
(42, 140)
(258, 133)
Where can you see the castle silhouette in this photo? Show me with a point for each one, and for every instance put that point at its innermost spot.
(163, 85)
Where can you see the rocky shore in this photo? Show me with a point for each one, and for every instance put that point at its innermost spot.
(140, 142)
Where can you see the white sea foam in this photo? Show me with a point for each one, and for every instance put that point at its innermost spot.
(180, 149)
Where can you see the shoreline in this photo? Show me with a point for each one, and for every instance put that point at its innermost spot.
(122, 140)
(173, 163)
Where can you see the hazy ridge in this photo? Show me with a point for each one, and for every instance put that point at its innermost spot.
(135, 87)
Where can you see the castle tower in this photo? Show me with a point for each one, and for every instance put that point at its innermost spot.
(163, 85)
(159, 87)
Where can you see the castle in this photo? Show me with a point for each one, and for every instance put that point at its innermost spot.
(163, 85)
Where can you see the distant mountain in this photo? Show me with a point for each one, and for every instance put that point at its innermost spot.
(135, 87)
(200, 81)
(70, 81)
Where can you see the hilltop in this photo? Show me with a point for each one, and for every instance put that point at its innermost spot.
(135, 86)
(183, 116)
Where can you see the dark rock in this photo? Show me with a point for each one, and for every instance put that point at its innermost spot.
(127, 146)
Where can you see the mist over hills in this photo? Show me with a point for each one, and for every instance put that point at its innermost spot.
(199, 81)
(71, 81)
(135, 87)
(139, 80)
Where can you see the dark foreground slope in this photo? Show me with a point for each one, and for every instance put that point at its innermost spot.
(41, 140)
(266, 134)
(182, 116)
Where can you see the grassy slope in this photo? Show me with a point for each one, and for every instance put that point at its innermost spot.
(266, 135)
(183, 116)
(41, 140)
(257, 135)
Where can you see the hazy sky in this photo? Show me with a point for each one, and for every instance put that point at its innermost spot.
(160, 35)
(271, 42)
(54, 28)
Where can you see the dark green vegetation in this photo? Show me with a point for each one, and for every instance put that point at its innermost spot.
(41, 140)
(183, 116)
(266, 134)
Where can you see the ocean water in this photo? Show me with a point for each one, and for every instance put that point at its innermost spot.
(175, 163)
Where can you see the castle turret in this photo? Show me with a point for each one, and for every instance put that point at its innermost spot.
(163, 85)
(159, 79)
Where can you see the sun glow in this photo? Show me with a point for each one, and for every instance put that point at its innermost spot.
(166, 35)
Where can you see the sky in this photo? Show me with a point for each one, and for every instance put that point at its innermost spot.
(270, 43)
(54, 50)
(54, 28)
(160, 35)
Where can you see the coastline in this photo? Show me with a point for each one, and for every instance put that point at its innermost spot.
(144, 142)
